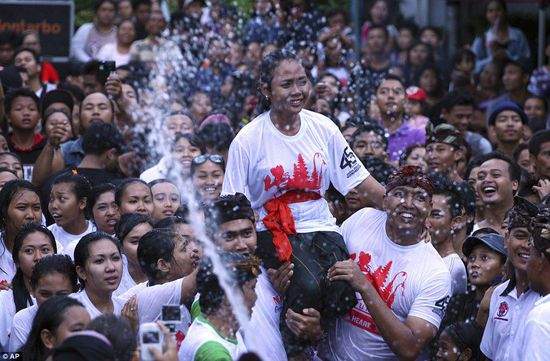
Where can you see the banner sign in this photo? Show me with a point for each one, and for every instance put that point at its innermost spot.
(54, 21)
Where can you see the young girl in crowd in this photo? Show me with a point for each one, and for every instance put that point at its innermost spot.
(134, 196)
(98, 263)
(56, 319)
(103, 208)
(19, 205)
(177, 224)
(207, 172)
(129, 230)
(68, 205)
(54, 275)
(459, 342)
(12, 162)
(166, 199)
(6, 175)
(31, 243)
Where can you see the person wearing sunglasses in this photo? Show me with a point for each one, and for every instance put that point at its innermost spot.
(207, 172)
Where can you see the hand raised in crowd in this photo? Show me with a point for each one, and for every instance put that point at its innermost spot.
(113, 87)
(280, 278)
(130, 311)
(57, 133)
(170, 350)
(306, 325)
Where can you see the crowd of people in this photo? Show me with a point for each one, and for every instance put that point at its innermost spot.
(385, 203)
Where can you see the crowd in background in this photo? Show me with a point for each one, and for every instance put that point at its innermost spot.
(90, 206)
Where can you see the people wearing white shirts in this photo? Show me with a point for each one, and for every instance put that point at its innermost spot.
(402, 283)
(533, 345)
(98, 264)
(512, 300)
(69, 240)
(6, 317)
(7, 266)
(54, 275)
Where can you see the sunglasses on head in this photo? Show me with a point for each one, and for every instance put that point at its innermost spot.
(214, 158)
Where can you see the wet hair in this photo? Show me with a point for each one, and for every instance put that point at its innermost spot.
(80, 186)
(513, 169)
(121, 188)
(20, 92)
(101, 137)
(379, 169)
(21, 295)
(56, 263)
(128, 222)
(160, 181)
(193, 139)
(119, 332)
(217, 136)
(50, 316)
(271, 61)
(82, 249)
(228, 208)
(242, 268)
(466, 335)
(96, 192)
(7, 193)
(407, 153)
(371, 127)
(154, 245)
(170, 222)
(537, 140)
(445, 187)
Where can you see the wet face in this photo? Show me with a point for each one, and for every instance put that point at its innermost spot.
(184, 152)
(508, 127)
(407, 208)
(460, 116)
(417, 158)
(440, 219)
(208, 179)
(103, 268)
(369, 143)
(534, 108)
(289, 88)
(390, 97)
(330, 88)
(60, 121)
(24, 115)
(75, 319)
(541, 161)
(27, 61)
(106, 14)
(524, 161)
(494, 183)
(484, 266)
(237, 236)
(441, 157)
(166, 200)
(136, 198)
(179, 123)
(64, 206)
(185, 258)
(24, 208)
(447, 349)
(5, 177)
(52, 284)
(34, 247)
(12, 163)
(517, 247)
(131, 241)
(105, 212)
(95, 108)
(513, 78)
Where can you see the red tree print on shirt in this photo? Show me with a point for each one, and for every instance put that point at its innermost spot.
(300, 176)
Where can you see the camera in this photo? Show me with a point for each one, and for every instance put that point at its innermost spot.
(150, 335)
(171, 316)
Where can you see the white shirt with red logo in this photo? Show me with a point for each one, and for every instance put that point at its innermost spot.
(263, 163)
(412, 281)
(506, 322)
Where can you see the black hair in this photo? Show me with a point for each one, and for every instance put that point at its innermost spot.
(193, 139)
(379, 169)
(466, 335)
(217, 136)
(382, 28)
(98, 3)
(137, 3)
(21, 295)
(96, 192)
(4, 169)
(80, 186)
(267, 69)
(127, 222)
(518, 149)
(119, 332)
(56, 263)
(50, 316)
(82, 249)
(513, 168)
(406, 154)
(155, 245)
(171, 222)
(463, 54)
(101, 137)
(473, 163)
(371, 127)
(7, 193)
(121, 188)
(9, 37)
(195, 165)
(160, 181)
(440, 87)
(76, 92)
(445, 187)
(456, 98)
(391, 77)
(524, 68)
(538, 97)
(33, 53)
(20, 92)
(11, 154)
(435, 29)
(536, 141)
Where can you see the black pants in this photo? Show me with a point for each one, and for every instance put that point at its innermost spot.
(312, 255)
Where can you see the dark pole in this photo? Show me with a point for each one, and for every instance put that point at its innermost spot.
(542, 32)
(355, 11)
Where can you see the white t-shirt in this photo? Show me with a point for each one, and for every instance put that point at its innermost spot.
(506, 322)
(82, 296)
(126, 281)
(7, 266)
(533, 345)
(457, 269)
(109, 52)
(264, 163)
(21, 327)
(7, 311)
(262, 334)
(66, 238)
(134, 290)
(413, 281)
